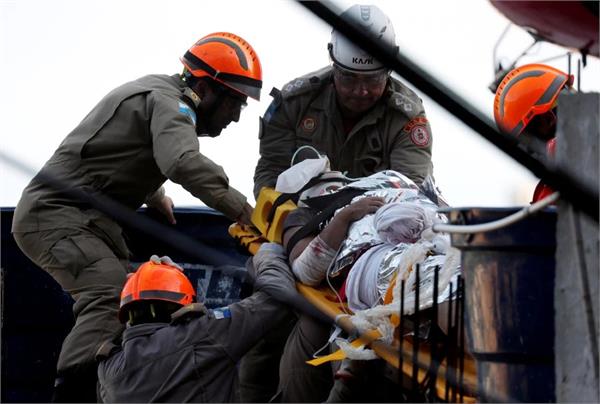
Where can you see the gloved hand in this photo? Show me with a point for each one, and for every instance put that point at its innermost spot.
(265, 252)
(165, 260)
(268, 253)
(272, 271)
(273, 276)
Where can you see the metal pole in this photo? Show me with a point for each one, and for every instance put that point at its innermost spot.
(124, 215)
(581, 195)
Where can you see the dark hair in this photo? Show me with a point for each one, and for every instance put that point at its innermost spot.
(151, 311)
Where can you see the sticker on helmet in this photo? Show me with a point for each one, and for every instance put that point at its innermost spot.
(186, 110)
(419, 132)
(308, 124)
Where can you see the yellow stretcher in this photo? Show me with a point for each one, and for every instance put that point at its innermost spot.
(326, 301)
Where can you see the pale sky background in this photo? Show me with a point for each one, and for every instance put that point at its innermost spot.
(59, 58)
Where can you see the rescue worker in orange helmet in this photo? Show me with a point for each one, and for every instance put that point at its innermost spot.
(176, 351)
(138, 136)
(526, 102)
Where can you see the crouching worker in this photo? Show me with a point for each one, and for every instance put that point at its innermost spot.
(175, 350)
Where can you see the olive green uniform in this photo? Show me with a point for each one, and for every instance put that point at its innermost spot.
(138, 136)
(394, 134)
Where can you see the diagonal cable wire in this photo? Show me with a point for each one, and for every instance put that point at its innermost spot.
(580, 194)
(124, 215)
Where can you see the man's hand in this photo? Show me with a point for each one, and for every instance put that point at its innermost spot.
(266, 256)
(246, 215)
(335, 232)
(270, 258)
(361, 208)
(165, 206)
(165, 260)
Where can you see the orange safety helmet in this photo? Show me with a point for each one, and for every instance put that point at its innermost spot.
(525, 92)
(154, 281)
(228, 59)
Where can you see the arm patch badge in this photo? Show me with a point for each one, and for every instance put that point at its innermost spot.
(221, 313)
(418, 131)
(186, 110)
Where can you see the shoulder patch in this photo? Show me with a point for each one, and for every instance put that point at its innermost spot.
(418, 131)
(276, 94)
(221, 313)
(186, 110)
(307, 83)
(296, 87)
(270, 111)
(405, 104)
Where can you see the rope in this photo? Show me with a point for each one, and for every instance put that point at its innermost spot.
(497, 224)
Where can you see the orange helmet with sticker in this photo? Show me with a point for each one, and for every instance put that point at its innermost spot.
(228, 59)
(154, 281)
(525, 92)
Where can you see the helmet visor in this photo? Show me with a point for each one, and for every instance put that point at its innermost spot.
(350, 78)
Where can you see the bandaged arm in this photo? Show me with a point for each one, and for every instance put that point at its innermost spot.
(311, 257)
(311, 265)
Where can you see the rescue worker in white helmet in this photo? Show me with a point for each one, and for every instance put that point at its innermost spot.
(358, 116)
(138, 136)
(353, 111)
(175, 350)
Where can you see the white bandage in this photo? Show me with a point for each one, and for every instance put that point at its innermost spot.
(310, 267)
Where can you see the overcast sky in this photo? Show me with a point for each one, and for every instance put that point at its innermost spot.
(59, 58)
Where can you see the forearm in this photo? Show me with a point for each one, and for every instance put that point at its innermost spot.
(155, 198)
(311, 266)
(207, 181)
(336, 230)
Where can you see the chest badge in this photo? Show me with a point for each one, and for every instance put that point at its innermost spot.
(309, 124)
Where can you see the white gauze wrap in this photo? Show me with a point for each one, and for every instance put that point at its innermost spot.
(401, 222)
(310, 266)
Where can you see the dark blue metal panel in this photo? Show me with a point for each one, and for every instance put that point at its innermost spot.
(509, 286)
(36, 312)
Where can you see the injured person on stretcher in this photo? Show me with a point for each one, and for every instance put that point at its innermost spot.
(363, 250)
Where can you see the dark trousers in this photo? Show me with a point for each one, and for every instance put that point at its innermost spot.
(299, 381)
(87, 267)
(259, 368)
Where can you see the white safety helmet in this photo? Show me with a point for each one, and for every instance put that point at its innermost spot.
(371, 20)
(330, 181)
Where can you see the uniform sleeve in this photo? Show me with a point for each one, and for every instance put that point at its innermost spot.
(238, 327)
(411, 151)
(244, 323)
(155, 198)
(176, 152)
(277, 144)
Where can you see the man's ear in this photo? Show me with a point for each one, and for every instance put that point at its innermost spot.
(200, 88)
